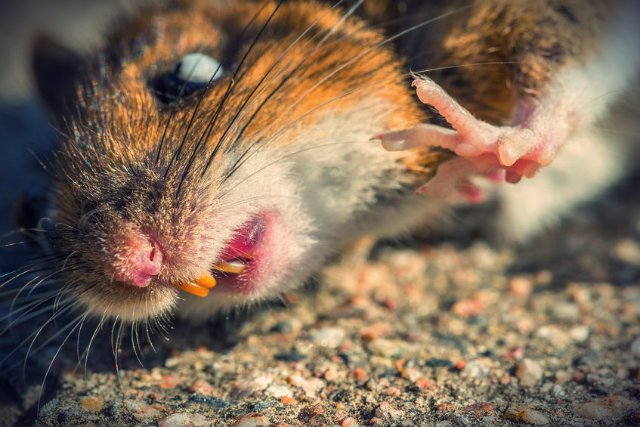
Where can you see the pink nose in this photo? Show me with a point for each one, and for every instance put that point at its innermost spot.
(138, 260)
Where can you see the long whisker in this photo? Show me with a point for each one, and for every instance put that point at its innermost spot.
(55, 357)
(283, 81)
(231, 81)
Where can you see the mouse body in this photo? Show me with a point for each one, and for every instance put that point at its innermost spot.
(227, 146)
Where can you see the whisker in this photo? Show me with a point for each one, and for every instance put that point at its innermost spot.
(53, 360)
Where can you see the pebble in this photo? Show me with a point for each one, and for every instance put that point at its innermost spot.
(310, 386)
(605, 408)
(360, 375)
(580, 333)
(567, 311)
(375, 331)
(554, 335)
(386, 348)
(252, 420)
(528, 372)
(475, 369)
(92, 404)
(520, 287)
(278, 391)
(386, 412)
(311, 414)
(628, 251)
(439, 363)
(563, 377)
(292, 355)
(524, 414)
(348, 422)
(328, 337)
(202, 387)
(140, 411)
(186, 420)
(558, 391)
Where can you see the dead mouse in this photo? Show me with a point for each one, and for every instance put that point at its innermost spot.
(216, 155)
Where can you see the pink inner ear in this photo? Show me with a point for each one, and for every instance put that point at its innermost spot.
(138, 261)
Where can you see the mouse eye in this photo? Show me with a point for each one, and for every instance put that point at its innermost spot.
(198, 68)
(195, 71)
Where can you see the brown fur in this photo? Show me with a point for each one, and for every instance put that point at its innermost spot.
(108, 177)
(532, 40)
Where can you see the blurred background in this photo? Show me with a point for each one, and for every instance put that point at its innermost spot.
(25, 133)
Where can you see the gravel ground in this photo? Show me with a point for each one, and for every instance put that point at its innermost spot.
(440, 334)
(445, 334)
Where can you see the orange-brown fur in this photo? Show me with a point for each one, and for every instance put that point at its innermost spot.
(497, 52)
(123, 122)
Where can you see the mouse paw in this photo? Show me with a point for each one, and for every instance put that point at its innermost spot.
(483, 149)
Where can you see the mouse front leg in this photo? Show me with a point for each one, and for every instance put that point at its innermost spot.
(500, 152)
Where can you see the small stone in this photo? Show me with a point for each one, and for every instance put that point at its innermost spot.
(439, 363)
(202, 387)
(563, 377)
(310, 386)
(92, 404)
(392, 391)
(252, 420)
(608, 408)
(628, 251)
(292, 355)
(386, 348)
(328, 337)
(554, 335)
(566, 311)
(558, 391)
(186, 420)
(411, 374)
(525, 414)
(375, 331)
(461, 365)
(288, 400)
(423, 384)
(635, 347)
(520, 287)
(475, 369)
(386, 412)
(528, 372)
(308, 413)
(359, 375)
(579, 333)
(482, 409)
(140, 411)
(516, 353)
(468, 308)
(170, 381)
(348, 422)
(278, 391)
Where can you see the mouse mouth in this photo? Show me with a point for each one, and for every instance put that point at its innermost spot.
(237, 262)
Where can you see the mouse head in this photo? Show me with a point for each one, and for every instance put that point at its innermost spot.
(183, 148)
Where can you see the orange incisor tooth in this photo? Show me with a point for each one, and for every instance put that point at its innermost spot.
(231, 267)
(207, 281)
(194, 289)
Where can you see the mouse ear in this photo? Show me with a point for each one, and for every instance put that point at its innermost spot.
(56, 70)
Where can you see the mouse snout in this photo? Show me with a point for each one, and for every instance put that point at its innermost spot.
(138, 259)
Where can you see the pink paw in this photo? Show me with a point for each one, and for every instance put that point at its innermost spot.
(497, 152)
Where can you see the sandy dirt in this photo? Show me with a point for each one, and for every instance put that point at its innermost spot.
(436, 333)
